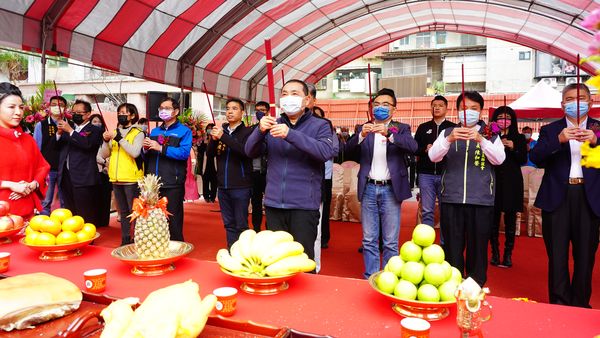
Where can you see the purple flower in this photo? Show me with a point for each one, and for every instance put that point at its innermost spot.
(592, 21)
(161, 139)
(495, 128)
(29, 119)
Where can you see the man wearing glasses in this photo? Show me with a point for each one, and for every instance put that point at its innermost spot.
(167, 151)
(382, 178)
(77, 168)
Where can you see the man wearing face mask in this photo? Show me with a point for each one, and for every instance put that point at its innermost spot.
(166, 154)
(527, 132)
(382, 179)
(468, 186)
(569, 198)
(45, 137)
(259, 171)
(298, 143)
(78, 174)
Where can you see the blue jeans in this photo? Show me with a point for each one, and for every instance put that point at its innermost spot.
(379, 206)
(49, 198)
(430, 187)
(234, 211)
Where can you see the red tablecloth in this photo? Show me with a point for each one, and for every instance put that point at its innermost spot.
(320, 304)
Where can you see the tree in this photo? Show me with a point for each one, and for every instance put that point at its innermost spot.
(14, 64)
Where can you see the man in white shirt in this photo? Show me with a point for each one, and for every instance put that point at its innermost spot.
(468, 186)
(382, 178)
(569, 198)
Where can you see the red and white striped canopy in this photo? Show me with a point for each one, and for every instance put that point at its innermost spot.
(221, 42)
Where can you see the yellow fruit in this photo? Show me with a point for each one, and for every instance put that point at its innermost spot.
(29, 230)
(61, 214)
(45, 238)
(66, 237)
(31, 236)
(51, 227)
(56, 219)
(90, 229)
(36, 222)
(83, 236)
(74, 224)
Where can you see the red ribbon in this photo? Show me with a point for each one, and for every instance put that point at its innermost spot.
(140, 208)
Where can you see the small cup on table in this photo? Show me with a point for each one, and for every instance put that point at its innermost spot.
(415, 328)
(226, 300)
(95, 280)
(4, 261)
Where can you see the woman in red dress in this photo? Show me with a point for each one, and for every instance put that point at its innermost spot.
(23, 169)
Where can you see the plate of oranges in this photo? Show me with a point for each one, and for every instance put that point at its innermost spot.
(58, 236)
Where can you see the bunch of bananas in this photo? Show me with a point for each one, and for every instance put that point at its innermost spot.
(176, 311)
(266, 253)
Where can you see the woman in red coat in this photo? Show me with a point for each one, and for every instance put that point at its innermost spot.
(23, 170)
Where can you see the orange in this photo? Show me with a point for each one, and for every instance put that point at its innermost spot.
(83, 236)
(45, 238)
(90, 229)
(51, 226)
(61, 214)
(36, 222)
(31, 236)
(29, 230)
(74, 223)
(66, 237)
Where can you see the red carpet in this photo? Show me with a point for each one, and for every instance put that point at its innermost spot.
(527, 278)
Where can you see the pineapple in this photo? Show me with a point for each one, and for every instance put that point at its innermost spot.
(152, 231)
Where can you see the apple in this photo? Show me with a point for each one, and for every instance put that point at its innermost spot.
(433, 254)
(435, 274)
(448, 269)
(6, 223)
(17, 221)
(394, 265)
(447, 291)
(405, 290)
(387, 281)
(4, 208)
(410, 252)
(412, 272)
(423, 235)
(428, 293)
(456, 275)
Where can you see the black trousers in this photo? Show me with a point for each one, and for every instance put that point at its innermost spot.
(471, 225)
(302, 224)
(209, 185)
(175, 207)
(510, 226)
(572, 222)
(259, 182)
(124, 195)
(82, 201)
(104, 192)
(326, 198)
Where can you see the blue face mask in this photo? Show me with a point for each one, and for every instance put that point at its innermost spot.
(472, 117)
(381, 113)
(259, 115)
(571, 109)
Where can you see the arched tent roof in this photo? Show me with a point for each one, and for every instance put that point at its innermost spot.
(220, 42)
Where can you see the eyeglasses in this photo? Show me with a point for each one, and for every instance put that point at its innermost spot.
(165, 108)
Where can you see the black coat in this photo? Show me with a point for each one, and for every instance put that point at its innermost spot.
(80, 149)
(509, 179)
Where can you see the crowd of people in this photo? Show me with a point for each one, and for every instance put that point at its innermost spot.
(284, 163)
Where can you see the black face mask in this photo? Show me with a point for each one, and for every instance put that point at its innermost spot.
(77, 119)
(123, 120)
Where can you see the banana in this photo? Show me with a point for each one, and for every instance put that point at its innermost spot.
(291, 264)
(282, 250)
(227, 262)
(245, 240)
(263, 243)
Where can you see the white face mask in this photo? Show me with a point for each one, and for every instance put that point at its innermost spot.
(472, 117)
(291, 104)
(55, 110)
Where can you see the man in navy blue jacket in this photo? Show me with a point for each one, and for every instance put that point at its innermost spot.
(298, 143)
(167, 151)
(382, 178)
(569, 198)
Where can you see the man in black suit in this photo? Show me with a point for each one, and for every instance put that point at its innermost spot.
(569, 198)
(78, 172)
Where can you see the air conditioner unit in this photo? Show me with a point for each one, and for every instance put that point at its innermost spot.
(570, 80)
(550, 81)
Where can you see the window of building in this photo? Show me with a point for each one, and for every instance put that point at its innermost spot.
(524, 55)
(404, 41)
(423, 40)
(219, 106)
(321, 84)
(404, 67)
(440, 38)
(468, 40)
(58, 62)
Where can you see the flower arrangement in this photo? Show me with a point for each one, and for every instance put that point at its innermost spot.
(32, 114)
(196, 123)
(491, 130)
(592, 22)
